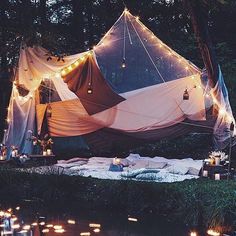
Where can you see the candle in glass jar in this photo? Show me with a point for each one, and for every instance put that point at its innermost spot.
(44, 153)
(217, 176)
(49, 152)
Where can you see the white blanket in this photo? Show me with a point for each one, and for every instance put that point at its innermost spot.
(170, 170)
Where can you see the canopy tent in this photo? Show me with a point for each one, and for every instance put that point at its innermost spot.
(131, 86)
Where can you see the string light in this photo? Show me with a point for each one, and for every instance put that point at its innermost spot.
(222, 111)
(213, 233)
(193, 233)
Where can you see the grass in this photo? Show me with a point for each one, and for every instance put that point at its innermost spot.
(200, 202)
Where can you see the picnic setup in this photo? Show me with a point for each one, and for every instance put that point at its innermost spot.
(129, 88)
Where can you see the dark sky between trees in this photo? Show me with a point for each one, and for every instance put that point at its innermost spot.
(71, 26)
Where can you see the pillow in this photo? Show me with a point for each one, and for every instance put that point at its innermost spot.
(193, 171)
(179, 170)
(156, 165)
(149, 176)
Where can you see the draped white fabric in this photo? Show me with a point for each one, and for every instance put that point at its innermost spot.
(149, 108)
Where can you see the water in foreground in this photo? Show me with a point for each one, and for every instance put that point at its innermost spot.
(29, 219)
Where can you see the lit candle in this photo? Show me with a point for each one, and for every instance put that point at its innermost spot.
(217, 176)
(205, 173)
(44, 153)
(49, 152)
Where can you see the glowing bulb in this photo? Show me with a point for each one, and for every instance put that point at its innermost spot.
(213, 233)
(63, 72)
(92, 225)
(82, 58)
(193, 233)
(85, 234)
(8, 120)
(97, 230)
(137, 18)
(222, 111)
(57, 227)
(186, 68)
(126, 11)
(70, 68)
(160, 45)
(16, 226)
(76, 63)
(45, 230)
(72, 222)
(26, 227)
(49, 225)
(57, 75)
(34, 224)
(60, 231)
(152, 36)
(132, 219)
(42, 223)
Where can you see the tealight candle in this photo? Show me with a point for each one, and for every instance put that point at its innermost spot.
(116, 161)
(44, 153)
(2, 158)
(217, 176)
(49, 152)
(205, 173)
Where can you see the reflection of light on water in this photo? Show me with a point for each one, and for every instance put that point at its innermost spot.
(193, 233)
(92, 225)
(72, 222)
(12, 224)
(132, 219)
(212, 232)
(85, 234)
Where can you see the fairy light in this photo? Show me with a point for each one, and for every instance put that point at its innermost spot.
(26, 227)
(63, 72)
(57, 227)
(70, 68)
(57, 75)
(8, 120)
(222, 111)
(49, 225)
(213, 233)
(97, 230)
(42, 223)
(76, 63)
(45, 230)
(85, 234)
(160, 45)
(186, 67)
(137, 18)
(16, 226)
(193, 233)
(132, 219)
(60, 231)
(34, 224)
(72, 222)
(93, 225)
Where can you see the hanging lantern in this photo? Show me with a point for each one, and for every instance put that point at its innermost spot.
(90, 90)
(123, 65)
(49, 111)
(186, 95)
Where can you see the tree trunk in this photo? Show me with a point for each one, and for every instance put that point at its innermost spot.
(199, 16)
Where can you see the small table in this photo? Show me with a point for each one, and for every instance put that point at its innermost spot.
(222, 170)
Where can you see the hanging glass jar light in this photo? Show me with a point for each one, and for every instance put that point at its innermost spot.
(123, 65)
(89, 90)
(186, 95)
(49, 111)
